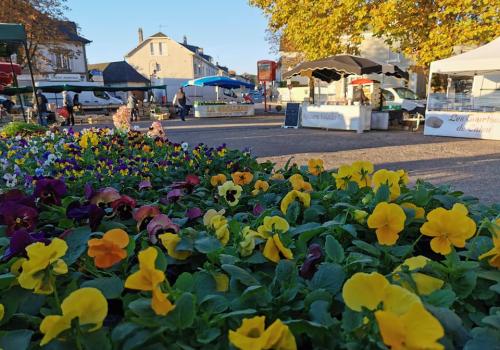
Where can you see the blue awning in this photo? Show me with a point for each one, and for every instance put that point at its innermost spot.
(223, 82)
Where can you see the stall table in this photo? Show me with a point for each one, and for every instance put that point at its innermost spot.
(224, 110)
(340, 117)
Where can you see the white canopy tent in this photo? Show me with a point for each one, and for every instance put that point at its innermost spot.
(482, 60)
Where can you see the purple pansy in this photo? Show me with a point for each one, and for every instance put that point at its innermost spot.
(314, 256)
(19, 240)
(50, 191)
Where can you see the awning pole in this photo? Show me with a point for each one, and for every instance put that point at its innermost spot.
(17, 88)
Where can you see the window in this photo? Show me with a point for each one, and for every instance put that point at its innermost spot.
(101, 94)
(62, 61)
(152, 48)
(406, 93)
(387, 95)
(160, 49)
(158, 67)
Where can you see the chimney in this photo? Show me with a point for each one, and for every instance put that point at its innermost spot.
(185, 40)
(141, 36)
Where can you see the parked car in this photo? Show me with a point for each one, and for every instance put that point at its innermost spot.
(405, 98)
(256, 96)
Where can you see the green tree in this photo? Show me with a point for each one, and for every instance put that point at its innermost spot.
(424, 30)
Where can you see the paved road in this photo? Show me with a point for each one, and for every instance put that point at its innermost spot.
(472, 166)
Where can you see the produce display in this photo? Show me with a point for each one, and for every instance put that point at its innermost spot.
(115, 239)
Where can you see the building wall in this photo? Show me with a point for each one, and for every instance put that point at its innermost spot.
(175, 61)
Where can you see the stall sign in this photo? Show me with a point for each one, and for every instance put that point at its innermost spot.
(477, 125)
(266, 70)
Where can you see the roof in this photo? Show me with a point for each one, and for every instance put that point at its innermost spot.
(195, 49)
(145, 41)
(482, 59)
(118, 72)
(158, 35)
(69, 30)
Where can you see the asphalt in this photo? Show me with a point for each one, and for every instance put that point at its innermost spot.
(468, 165)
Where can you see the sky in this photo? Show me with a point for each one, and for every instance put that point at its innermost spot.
(230, 31)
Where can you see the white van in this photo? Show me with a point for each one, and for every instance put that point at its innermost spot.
(404, 97)
(90, 100)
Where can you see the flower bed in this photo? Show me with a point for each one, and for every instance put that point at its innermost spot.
(126, 241)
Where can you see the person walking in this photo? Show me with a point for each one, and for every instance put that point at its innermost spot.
(132, 105)
(180, 101)
(68, 104)
(42, 103)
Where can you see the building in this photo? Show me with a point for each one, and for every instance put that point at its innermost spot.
(160, 57)
(373, 48)
(64, 61)
(117, 74)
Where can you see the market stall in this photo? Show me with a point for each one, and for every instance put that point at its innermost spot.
(207, 109)
(353, 109)
(464, 94)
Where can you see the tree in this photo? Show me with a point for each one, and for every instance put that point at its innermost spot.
(424, 30)
(42, 21)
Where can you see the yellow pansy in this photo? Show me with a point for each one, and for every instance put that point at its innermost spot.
(253, 335)
(303, 197)
(277, 177)
(345, 174)
(272, 225)
(364, 169)
(230, 192)
(274, 248)
(389, 220)
(416, 329)
(2, 312)
(494, 253)
(392, 297)
(449, 228)
(148, 279)
(360, 216)
(295, 178)
(44, 261)
(425, 284)
(219, 224)
(403, 176)
(260, 186)
(419, 211)
(315, 166)
(247, 243)
(210, 214)
(217, 180)
(389, 178)
(302, 186)
(87, 304)
(221, 282)
(170, 241)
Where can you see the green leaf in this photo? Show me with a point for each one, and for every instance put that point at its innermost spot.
(207, 335)
(77, 244)
(329, 277)
(442, 298)
(293, 213)
(111, 287)
(207, 244)
(447, 200)
(482, 339)
(105, 226)
(141, 307)
(369, 248)
(6, 279)
(123, 330)
(351, 320)
(382, 195)
(96, 340)
(185, 282)
(451, 323)
(18, 339)
(334, 250)
(214, 304)
(240, 274)
(493, 321)
(137, 340)
(318, 294)
(318, 313)
(183, 314)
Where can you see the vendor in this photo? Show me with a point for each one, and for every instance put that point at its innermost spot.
(359, 96)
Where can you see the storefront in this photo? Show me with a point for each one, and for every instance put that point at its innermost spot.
(464, 95)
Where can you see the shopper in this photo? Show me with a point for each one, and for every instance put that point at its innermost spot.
(68, 104)
(132, 106)
(180, 101)
(42, 104)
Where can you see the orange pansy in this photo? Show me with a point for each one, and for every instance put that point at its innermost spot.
(108, 250)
